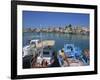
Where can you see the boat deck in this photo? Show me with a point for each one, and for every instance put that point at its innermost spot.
(46, 43)
(73, 62)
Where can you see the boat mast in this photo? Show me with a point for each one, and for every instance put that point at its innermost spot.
(42, 43)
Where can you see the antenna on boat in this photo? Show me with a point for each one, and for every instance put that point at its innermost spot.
(41, 41)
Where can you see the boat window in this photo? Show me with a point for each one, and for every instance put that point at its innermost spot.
(32, 42)
(69, 47)
(46, 54)
(39, 41)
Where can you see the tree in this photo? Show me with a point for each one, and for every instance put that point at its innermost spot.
(66, 27)
(70, 26)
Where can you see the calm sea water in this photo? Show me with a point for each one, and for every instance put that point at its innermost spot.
(78, 40)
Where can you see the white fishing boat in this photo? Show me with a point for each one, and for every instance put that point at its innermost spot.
(45, 55)
(36, 46)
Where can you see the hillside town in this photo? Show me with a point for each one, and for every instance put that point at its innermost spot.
(67, 29)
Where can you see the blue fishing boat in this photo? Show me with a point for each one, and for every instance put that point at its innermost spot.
(71, 55)
(71, 51)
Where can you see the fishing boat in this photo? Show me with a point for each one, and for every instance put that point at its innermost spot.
(43, 58)
(37, 51)
(72, 51)
(71, 55)
(45, 55)
(36, 46)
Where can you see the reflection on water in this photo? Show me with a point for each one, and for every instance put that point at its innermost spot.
(78, 40)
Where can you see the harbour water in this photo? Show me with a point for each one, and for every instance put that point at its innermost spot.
(81, 41)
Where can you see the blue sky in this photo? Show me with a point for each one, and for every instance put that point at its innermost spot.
(46, 19)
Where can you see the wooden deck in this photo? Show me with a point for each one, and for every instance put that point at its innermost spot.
(73, 62)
